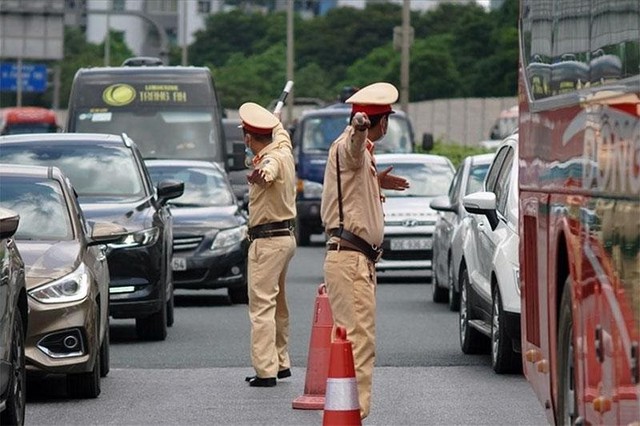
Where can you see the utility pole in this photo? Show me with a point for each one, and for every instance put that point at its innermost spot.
(404, 56)
(107, 40)
(290, 59)
(184, 34)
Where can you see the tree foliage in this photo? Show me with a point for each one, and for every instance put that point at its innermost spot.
(459, 50)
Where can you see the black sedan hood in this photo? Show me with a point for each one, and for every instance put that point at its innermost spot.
(48, 260)
(133, 214)
(192, 218)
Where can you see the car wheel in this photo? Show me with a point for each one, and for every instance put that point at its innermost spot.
(154, 326)
(170, 314)
(85, 385)
(454, 296)
(503, 358)
(239, 295)
(303, 235)
(471, 340)
(13, 413)
(566, 407)
(104, 354)
(438, 294)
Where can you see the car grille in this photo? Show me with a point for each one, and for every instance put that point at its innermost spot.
(186, 243)
(190, 275)
(409, 222)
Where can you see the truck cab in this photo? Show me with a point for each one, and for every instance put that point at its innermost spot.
(312, 136)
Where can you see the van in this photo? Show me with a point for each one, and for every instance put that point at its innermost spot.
(169, 111)
(312, 136)
(18, 120)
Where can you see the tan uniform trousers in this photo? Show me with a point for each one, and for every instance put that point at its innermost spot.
(351, 287)
(268, 262)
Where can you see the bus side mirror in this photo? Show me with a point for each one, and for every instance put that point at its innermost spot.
(427, 142)
(236, 159)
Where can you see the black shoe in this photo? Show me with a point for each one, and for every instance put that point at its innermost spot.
(283, 374)
(259, 382)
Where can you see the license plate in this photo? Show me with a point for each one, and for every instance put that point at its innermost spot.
(400, 244)
(179, 264)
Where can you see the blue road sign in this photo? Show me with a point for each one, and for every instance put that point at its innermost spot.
(34, 77)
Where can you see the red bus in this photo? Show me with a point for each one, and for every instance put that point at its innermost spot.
(17, 120)
(579, 182)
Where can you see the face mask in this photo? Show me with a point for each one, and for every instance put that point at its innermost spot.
(248, 157)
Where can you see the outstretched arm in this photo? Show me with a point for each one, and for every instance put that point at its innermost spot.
(389, 181)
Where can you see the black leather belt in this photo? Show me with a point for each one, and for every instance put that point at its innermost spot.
(271, 229)
(374, 253)
(335, 247)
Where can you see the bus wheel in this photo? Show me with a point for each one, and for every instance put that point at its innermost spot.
(566, 404)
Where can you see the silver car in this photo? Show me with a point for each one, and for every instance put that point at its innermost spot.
(449, 233)
(409, 223)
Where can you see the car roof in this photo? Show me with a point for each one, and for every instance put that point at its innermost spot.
(63, 137)
(411, 158)
(20, 170)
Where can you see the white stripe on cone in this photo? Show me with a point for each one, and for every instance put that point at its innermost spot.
(341, 395)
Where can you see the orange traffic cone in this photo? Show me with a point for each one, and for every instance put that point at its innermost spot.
(318, 359)
(341, 406)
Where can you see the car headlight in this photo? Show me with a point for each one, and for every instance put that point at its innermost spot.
(229, 237)
(311, 189)
(70, 288)
(146, 237)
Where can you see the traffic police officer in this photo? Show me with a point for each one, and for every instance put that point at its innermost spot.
(352, 215)
(272, 211)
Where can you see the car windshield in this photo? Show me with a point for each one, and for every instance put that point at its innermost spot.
(41, 206)
(319, 132)
(476, 178)
(94, 169)
(202, 186)
(159, 134)
(425, 179)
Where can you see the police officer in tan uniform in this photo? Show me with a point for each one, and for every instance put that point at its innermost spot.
(352, 214)
(272, 211)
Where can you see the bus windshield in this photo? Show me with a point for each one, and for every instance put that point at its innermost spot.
(168, 133)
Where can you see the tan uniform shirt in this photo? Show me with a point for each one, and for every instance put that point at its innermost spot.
(361, 197)
(275, 201)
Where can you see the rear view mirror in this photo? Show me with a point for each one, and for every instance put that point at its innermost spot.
(442, 204)
(427, 142)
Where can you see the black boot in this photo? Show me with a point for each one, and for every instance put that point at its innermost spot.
(259, 382)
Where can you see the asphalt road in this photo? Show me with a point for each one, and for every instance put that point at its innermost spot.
(197, 375)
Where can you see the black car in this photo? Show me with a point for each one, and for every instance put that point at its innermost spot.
(209, 228)
(113, 185)
(13, 323)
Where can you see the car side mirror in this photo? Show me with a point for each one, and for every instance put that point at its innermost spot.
(9, 225)
(427, 142)
(442, 204)
(106, 232)
(169, 189)
(482, 203)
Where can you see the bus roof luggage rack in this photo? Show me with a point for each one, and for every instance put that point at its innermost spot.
(142, 61)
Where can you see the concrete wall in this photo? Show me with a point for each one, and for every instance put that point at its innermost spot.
(462, 121)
